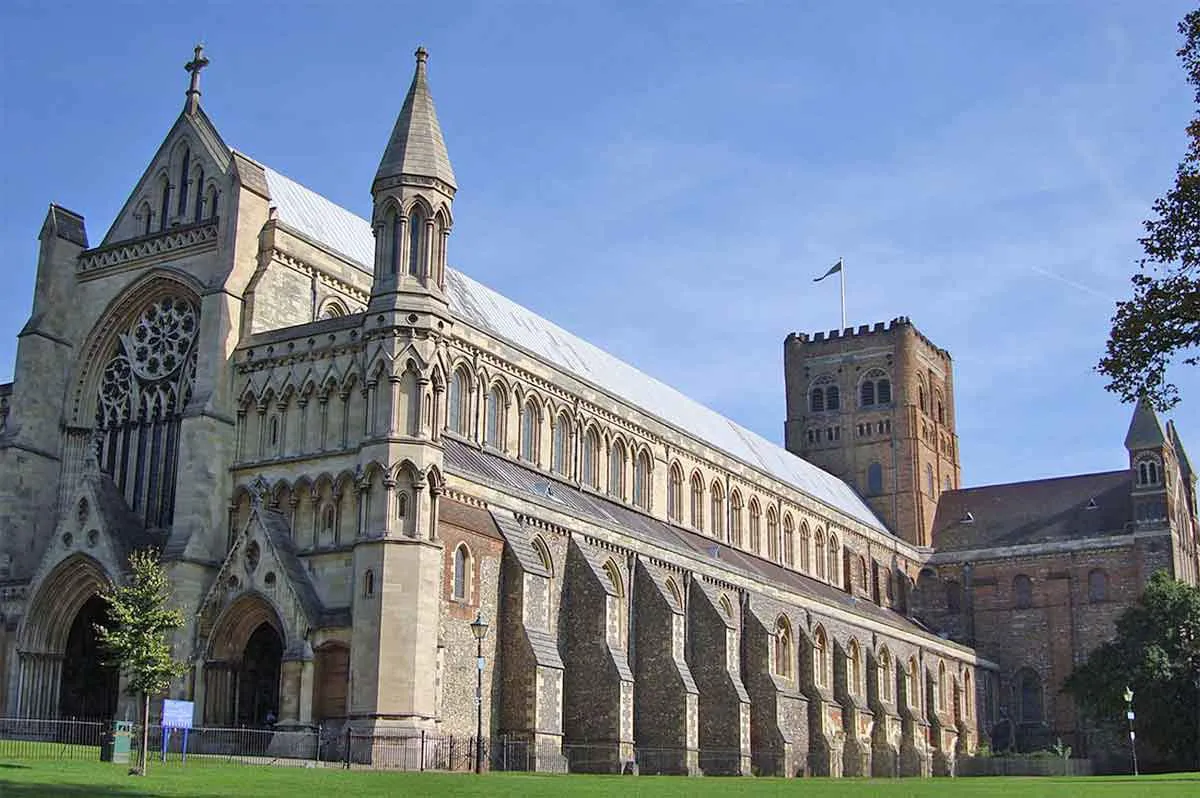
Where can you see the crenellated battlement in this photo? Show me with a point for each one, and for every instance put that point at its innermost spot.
(887, 329)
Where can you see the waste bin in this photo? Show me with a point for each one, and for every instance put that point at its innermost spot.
(116, 743)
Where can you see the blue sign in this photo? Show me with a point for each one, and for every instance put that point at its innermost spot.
(177, 714)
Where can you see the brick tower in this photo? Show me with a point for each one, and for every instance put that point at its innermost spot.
(875, 406)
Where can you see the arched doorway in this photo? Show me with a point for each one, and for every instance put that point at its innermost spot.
(88, 687)
(258, 678)
(243, 664)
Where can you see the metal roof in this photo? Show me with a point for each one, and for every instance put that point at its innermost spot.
(476, 304)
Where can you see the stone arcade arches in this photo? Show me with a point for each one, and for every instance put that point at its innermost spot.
(243, 665)
(60, 672)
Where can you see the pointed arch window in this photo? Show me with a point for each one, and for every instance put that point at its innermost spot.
(930, 485)
(457, 406)
(968, 700)
(395, 225)
(789, 543)
(494, 421)
(529, 431)
(401, 505)
(783, 648)
(835, 560)
(819, 554)
(885, 675)
(462, 563)
(675, 494)
(820, 658)
(183, 181)
(943, 697)
(755, 523)
(616, 470)
(559, 441)
(164, 208)
(416, 242)
(735, 518)
(641, 480)
(805, 542)
(198, 211)
(718, 511)
(854, 671)
(913, 685)
(697, 517)
(591, 458)
(772, 535)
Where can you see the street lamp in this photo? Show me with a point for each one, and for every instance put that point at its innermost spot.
(479, 628)
(1129, 716)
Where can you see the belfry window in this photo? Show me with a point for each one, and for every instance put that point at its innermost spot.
(824, 395)
(416, 242)
(875, 389)
(396, 230)
(1148, 472)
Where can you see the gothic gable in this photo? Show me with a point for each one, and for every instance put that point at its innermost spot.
(262, 561)
(182, 185)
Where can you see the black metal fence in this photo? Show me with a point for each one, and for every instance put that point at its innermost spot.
(344, 746)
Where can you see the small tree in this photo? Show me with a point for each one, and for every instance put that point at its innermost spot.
(135, 637)
(1156, 651)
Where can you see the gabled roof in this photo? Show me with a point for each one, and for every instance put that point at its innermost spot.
(1144, 430)
(1027, 513)
(416, 146)
(479, 306)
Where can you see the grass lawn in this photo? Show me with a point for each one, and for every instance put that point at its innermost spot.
(26, 779)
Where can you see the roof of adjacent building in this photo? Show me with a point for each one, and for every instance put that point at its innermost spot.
(350, 235)
(1028, 513)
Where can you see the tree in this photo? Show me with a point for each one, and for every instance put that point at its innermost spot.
(1156, 652)
(135, 637)
(1163, 318)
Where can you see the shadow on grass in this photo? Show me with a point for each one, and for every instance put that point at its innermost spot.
(8, 788)
(12, 766)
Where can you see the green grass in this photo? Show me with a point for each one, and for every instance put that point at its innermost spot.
(27, 779)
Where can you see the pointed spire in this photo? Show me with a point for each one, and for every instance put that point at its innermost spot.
(416, 147)
(193, 67)
(1144, 430)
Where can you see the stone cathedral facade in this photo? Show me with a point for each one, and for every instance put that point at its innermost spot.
(346, 451)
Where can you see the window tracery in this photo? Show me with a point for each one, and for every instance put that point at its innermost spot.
(143, 389)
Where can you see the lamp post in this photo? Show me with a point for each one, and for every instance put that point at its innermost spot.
(1129, 717)
(479, 628)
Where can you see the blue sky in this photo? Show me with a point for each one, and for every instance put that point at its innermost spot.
(665, 179)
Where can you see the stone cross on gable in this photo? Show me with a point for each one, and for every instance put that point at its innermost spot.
(194, 66)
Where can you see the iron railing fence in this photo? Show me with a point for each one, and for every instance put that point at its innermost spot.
(29, 738)
(342, 745)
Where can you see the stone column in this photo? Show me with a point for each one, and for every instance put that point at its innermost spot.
(306, 692)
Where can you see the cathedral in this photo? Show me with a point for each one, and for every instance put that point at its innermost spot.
(347, 452)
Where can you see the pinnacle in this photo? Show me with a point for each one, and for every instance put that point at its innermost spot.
(416, 147)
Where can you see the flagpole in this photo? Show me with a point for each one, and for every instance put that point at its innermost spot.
(842, 282)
